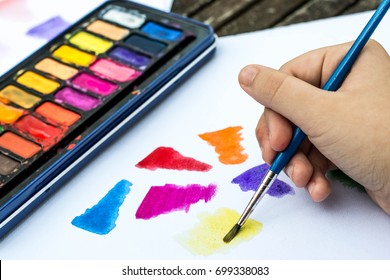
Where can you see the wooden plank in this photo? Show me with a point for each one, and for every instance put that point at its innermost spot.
(189, 8)
(237, 16)
(221, 11)
(264, 14)
(363, 5)
(317, 9)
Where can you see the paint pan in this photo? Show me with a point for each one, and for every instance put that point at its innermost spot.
(130, 57)
(146, 44)
(78, 89)
(7, 165)
(59, 70)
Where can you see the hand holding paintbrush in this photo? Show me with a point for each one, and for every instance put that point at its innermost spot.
(346, 129)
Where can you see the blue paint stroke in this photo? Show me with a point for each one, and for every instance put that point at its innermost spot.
(49, 29)
(251, 179)
(100, 219)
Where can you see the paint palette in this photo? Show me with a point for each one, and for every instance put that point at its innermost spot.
(88, 83)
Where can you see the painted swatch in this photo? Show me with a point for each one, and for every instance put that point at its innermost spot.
(49, 29)
(345, 180)
(169, 198)
(251, 179)
(227, 144)
(206, 237)
(168, 158)
(101, 218)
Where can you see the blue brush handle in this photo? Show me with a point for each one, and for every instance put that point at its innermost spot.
(333, 83)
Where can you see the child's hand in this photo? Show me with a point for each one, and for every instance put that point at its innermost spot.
(348, 129)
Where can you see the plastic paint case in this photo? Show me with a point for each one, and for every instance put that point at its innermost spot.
(72, 96)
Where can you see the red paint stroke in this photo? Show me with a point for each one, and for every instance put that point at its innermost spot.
(227, 144)
(169, 198)
(168, 158)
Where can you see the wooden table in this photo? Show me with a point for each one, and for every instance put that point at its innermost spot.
(237, 16)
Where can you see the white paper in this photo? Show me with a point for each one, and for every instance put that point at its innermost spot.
(348, 225)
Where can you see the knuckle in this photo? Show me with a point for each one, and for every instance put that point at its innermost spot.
(276, 86)
(261, 132)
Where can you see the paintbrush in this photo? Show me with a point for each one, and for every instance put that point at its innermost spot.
(332, 84)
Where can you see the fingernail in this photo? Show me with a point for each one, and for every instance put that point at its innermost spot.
(310, 188)
(289, 171)
(247, 75)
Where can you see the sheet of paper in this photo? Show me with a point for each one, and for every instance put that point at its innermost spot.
(348, 225)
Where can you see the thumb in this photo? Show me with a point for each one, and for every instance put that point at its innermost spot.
(289, 96)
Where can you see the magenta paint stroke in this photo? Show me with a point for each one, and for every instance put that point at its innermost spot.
(170, 198)
(49, 29)
(251, 179)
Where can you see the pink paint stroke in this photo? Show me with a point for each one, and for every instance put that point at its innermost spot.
(169, 198)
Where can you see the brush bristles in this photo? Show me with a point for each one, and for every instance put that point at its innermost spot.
(232, 233)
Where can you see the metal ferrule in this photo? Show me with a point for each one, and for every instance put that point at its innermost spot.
(266, 183)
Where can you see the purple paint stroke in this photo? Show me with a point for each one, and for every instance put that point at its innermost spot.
(251, 179)
(169, 198)
(49, 29)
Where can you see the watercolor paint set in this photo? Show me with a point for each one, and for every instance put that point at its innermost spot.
(63, 103)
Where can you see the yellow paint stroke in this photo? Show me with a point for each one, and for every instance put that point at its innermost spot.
(227, 144)
(206, 237)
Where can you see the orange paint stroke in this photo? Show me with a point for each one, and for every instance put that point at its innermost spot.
(227, 144)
